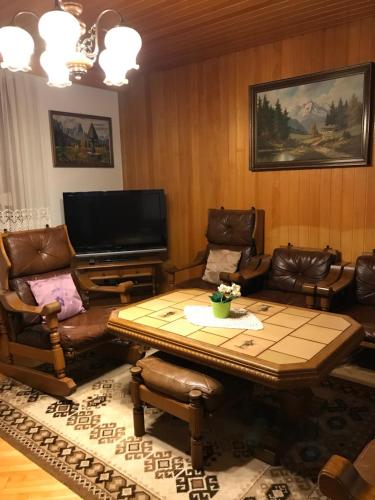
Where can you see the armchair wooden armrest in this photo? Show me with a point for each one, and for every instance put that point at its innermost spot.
(171, 270)
(198, 260)
(339, 277)
(258, 267)
(340, 480)
(88, 285)
(338, 281)
(12, 303)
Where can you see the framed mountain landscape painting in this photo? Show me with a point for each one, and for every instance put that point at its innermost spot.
(318, 120)
(81, 140)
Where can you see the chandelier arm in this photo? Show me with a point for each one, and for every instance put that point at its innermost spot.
(96, 26)
(22, 13)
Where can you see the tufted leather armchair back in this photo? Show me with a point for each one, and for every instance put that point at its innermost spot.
(291, 267)
(37, 251)
(238, 230)
(365, 279)
(31, 255)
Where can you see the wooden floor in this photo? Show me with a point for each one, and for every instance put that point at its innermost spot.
(22, 478)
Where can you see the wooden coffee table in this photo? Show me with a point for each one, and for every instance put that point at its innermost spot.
(296, 348)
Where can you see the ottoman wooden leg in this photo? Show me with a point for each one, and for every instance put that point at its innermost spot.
(196, 425)
(138, 415)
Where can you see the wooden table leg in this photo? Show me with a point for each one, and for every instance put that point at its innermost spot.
(295, 405)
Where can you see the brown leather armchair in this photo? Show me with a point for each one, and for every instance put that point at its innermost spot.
(238, 230)
(341, 480)
(290, 276)
(39, 254)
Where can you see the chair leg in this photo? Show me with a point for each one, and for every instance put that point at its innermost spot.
(325, 303)
(196, 427)
(56, 349)
(138, 414)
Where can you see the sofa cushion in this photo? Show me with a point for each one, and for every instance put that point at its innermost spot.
(220, 261)
(291, 267)
(37, 251)
(365, 279)
(77, 332)
(61, 289)
(22, 287)
(176, 377)
(231, 227)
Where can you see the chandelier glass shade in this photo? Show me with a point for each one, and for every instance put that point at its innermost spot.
(71, 49)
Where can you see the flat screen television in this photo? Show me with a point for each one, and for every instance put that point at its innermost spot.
(116, 223)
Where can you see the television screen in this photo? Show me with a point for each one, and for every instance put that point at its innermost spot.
(116, 222)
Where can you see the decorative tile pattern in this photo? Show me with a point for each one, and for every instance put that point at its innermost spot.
(87, 440)
(289, 331)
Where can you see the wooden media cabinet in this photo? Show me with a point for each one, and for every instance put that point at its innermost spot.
(145, 273)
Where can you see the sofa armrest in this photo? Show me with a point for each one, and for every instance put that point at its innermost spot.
(258, 267)
(338, 281)
(339, 277)
(340, 480)
(12, 303)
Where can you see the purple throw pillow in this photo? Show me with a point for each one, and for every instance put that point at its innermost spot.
(61, 289)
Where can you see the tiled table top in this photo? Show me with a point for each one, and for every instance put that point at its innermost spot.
(290, 335)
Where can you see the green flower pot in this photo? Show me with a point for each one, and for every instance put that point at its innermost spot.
(221, 309)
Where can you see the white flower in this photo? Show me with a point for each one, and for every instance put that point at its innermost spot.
(229, 292)
(236, 290)
(224, 288)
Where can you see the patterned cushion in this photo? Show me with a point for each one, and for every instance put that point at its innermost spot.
(61, 289)
(220, 261)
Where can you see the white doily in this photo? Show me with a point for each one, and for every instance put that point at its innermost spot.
(239, 318)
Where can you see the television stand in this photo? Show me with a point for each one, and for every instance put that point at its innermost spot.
(144, 272)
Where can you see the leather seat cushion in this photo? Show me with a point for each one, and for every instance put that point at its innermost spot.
(279, 296)
(364, 314)
(365, 463)
(77, 332)
(291, 267)
(176, 377)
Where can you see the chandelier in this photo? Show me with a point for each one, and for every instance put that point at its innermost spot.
(71, 48)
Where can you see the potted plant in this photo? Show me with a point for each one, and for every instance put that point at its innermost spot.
(222, 298)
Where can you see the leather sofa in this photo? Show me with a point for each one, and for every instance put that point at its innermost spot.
(290, 276)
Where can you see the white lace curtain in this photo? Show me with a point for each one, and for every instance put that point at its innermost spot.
(23, 192)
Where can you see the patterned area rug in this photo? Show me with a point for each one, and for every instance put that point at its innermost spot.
(87, 442)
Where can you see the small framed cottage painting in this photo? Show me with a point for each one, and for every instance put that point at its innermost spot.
(81, 140)
(312, 121)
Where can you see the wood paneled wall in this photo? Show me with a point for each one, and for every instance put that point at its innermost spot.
(186, 130)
